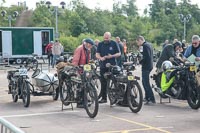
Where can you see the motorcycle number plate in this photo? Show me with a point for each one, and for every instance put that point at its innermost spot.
(131, 78)
(23, 72)
(87, 67)
(192, 68)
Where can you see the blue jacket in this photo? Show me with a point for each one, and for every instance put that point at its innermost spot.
(188, 52)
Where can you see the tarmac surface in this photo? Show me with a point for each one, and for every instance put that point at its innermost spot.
(46, 116)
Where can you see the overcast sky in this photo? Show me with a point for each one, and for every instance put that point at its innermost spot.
(103, 4)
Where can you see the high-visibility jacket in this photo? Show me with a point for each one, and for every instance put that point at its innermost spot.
(165, 84)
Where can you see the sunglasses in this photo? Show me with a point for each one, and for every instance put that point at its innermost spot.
(195, 43)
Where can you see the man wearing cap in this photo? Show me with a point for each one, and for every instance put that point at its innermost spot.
(81, 57)
(82, 53)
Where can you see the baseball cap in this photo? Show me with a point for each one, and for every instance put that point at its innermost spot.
(89, 40)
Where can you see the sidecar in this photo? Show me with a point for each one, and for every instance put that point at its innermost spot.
(45, 83)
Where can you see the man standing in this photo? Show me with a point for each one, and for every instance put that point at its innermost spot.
(147, 66)
(194, 48)
(48, 51)
(81, 57)
(107, 52)
(56, 51)
(120, 59)
(94, 50)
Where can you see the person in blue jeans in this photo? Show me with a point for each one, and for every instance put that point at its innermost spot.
(147, 66)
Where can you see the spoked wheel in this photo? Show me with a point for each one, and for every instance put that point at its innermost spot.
(193, 97)
(25, 93)
(14, 93)
(111, 93)
(97, 84)
(91, 101)
(134, 97)
(64, 93)
(55, 94)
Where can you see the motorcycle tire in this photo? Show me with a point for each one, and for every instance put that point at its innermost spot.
(25, 93)
(64, 89)
(91, 101)
(111, 94)
(55, 94)
(193, 96)
(135, 92)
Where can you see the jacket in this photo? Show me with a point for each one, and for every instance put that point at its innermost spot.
(188, 52)
(167, 52)
(147, 59)
(57, 49)
(80, 56)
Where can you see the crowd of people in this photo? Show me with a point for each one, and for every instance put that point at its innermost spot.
(115, 53)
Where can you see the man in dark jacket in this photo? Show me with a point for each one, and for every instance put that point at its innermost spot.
(107, 52)
(147, 66)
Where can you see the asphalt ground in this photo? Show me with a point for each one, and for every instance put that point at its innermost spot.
(46, 116)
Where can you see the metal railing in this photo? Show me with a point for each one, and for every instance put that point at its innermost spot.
(7, 127)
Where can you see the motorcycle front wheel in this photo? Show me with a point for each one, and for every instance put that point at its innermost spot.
(134, 97)
(193, 96)
(25, 93)
(91, 101)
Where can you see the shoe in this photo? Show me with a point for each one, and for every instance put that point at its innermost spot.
(80, 105)
(145, 100)
(103, 101)
(150, 102)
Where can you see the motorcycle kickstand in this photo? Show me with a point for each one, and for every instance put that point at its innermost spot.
(165, 102)
(71, 106)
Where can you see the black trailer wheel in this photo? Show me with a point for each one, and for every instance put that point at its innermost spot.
(91, 101)
(193, 96)
(18, 61)
(135, 97)
(55, 94)
(64, 89)
(25, 93)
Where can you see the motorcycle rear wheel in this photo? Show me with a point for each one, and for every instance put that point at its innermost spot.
(64, 93)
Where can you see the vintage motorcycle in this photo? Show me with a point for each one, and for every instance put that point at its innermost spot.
(123, 86)
(19, 85)
(184, 86)
(75, 80)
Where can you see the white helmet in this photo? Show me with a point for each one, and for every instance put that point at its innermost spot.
(166, 65)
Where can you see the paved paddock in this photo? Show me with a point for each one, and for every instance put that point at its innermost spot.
(45, 116)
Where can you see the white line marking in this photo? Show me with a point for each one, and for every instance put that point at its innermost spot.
(38, 114)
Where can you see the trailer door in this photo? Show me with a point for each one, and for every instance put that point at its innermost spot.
(6, 44)
(37, 42)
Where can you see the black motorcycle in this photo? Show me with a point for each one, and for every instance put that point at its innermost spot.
(75, 81)
(123, 86)
(184, 86)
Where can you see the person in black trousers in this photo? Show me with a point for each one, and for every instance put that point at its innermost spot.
(147, 66)
(107, 52)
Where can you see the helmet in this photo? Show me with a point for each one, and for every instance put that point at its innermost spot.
(116, 70)
(166, 65)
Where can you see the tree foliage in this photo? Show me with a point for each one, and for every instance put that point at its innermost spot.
(160, 21)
